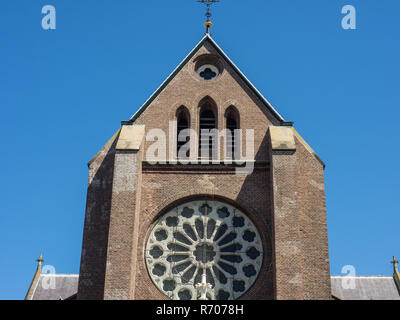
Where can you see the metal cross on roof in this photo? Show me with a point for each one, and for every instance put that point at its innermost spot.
(394, 262)
(40, 260)
(208, 3)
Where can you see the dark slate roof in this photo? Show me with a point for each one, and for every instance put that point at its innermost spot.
(56, 287)
(366, 288)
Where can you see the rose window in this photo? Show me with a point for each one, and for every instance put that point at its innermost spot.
(204, 249)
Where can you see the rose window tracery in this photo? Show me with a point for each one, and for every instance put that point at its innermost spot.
(207, 238)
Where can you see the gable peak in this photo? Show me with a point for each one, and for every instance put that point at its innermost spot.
(208, 39)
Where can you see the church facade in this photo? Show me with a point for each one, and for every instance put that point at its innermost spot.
(207, 193)
(161, 228)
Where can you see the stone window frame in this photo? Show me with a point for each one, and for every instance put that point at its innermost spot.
(232, 113)
(182, 111)
(209, 103)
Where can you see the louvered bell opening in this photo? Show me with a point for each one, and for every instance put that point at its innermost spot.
(207, 122)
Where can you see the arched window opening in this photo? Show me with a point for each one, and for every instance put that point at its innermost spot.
(208, 136)
(232, 141)
(183, 123)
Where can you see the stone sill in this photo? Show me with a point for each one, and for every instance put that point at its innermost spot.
(216, 167)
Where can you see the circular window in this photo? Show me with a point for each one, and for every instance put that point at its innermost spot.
(208, 72)
(204, 250)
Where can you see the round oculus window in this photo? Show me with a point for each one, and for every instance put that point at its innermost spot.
(208, 72)
(204, 250)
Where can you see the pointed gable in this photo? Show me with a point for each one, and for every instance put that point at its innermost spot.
(208, 44)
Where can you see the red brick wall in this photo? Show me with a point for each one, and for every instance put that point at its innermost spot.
(96, 226)
(295, 262)
(288, 261)
(228, 89)
(124, 215)
(161, 189)
(311, 208)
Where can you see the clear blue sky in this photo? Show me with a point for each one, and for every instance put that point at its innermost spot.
(63, 94)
